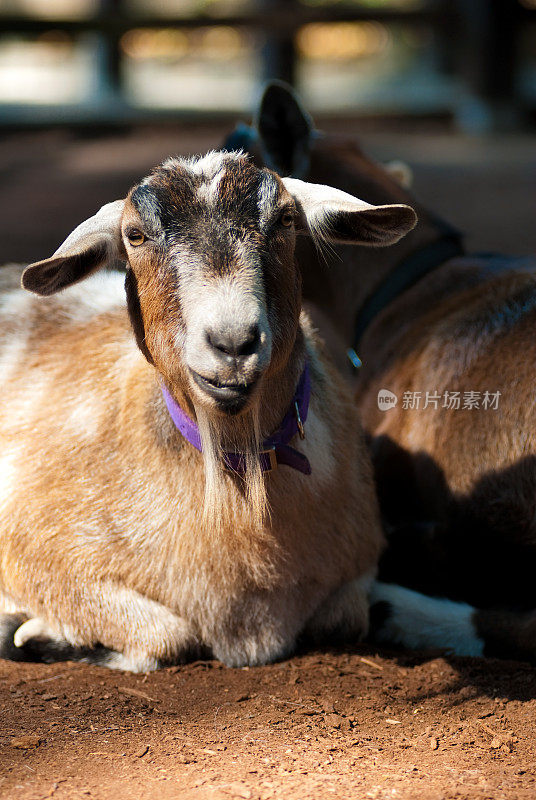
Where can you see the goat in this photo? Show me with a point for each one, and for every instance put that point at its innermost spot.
(456, 486)
(142, 514)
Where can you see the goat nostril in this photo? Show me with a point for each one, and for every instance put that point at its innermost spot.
(238, 342)
(251, 342)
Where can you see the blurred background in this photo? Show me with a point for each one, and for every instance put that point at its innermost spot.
(95, 92)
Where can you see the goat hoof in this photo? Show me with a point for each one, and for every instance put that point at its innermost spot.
(34, 628)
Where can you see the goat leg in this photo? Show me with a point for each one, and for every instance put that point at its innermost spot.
(112, 626)
(343, 616)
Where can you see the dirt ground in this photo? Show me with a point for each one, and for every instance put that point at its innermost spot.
(358, 723)
(354, 724)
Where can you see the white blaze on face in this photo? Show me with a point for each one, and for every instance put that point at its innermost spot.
(211, 169)
(209, 164)
(267, 197)
(207, 192)
(214, 303)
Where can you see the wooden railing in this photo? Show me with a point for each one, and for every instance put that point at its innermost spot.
(478, 37)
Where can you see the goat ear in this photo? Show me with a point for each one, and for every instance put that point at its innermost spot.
(91, 245)
(285, 130)
(331, 215)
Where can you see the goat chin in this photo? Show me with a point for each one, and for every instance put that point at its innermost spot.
(218, 436)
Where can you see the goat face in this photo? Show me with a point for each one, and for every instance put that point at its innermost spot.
(212, 285)
(210, 244)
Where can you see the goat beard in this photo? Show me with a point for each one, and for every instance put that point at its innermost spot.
(242, 435)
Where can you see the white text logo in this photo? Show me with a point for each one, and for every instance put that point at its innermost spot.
(386, 399)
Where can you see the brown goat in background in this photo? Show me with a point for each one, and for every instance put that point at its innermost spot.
(457, 486)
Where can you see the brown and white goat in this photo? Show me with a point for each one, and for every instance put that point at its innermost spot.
(123, 544)
(457, 486)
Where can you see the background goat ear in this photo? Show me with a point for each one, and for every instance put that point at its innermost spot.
(400, 172)
(91, 245)
(285, 130)
(330, 215)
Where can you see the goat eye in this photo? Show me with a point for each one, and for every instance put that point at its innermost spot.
(135, 237)
(286, 219)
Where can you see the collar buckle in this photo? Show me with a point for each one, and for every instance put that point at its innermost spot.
(272, 458)
(299, 422)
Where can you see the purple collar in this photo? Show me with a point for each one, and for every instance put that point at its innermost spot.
(276, 449)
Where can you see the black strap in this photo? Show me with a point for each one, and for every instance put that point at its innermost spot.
(404, 276)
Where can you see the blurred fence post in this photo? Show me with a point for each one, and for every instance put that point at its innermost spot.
(279, 51)
(488, 50)
(108, 79)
